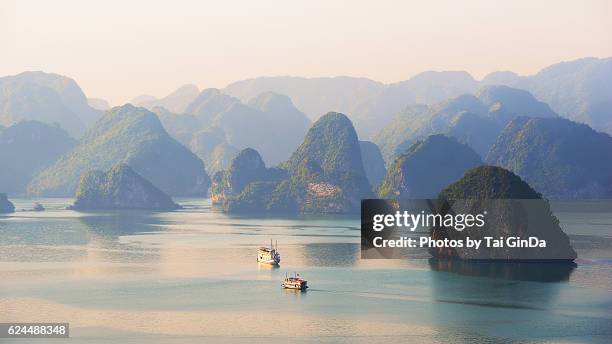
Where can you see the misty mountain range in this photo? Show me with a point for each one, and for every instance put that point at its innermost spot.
(555, 120)
(579, 90)
(473, 119)
(45, 97)
(216, 126)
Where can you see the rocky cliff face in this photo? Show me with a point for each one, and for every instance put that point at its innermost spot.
(511, 208)
(324, 175)
(5, 205)
(329, 158)
(119, 188)
(247, 167)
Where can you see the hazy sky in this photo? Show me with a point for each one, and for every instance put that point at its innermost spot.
(119, 49)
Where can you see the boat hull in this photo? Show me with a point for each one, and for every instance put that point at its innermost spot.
(293, 286)
(267, 261)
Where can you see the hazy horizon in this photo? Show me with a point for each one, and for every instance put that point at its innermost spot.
(117, 51)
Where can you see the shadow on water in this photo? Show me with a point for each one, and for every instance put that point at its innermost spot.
(520, 271)
(104, 229)
(509, 295)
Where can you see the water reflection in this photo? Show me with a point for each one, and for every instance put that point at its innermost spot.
(104, 229)
(32, 231)
(194, 272)
(330, 254)
(265, 267)
(522, 271)
(508, 296)
(121, 223)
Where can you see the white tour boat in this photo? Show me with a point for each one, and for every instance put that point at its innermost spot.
(269, 255)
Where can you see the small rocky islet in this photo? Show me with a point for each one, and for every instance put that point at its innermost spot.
(119, 188)
(324, 175)
(513, 210)
(5, 205)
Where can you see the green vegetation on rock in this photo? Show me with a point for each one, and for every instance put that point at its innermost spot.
(119, 188)
(324, 175)
(26, 148)
(511, 208)
(489, 182)
(475, 120)
(427, 167)
(246, 168)
(558, 157)
(329, 168)
(133, 136)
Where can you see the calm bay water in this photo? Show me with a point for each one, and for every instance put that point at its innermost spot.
(191, 276)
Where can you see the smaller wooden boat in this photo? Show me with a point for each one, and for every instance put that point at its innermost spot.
(296, 282)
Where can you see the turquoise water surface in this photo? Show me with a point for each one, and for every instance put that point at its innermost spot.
(191, 276)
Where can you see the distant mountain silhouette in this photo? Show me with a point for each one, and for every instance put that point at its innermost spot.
(98, 104)
(176, 101)
(212, 147)
(314, 96)
(580, 90)
(269, 123)
(45, 97)
(209, 103)
(180, 126)
(473, 119)
(142, 98)
(369, 103)
(26, 148)
(425, 88)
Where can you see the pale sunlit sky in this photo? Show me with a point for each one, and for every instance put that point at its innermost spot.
(120, 49)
